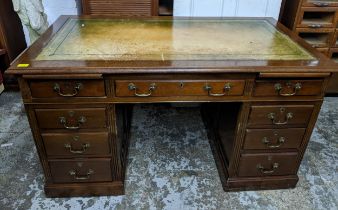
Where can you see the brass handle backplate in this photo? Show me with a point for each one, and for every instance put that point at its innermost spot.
(296, 87)
(85, 146)
(280, 142)
(76, 90)
(315, 25)
(66, 125)
(226, 90)
(134, 88)
(268, 171)
(275, 121)
(321, 4)
(76, 176)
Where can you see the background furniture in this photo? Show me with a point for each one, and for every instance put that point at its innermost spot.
(193, 8)
(316, 22)
(12, 39)
(81, 85)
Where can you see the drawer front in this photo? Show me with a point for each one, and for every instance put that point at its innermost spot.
(71, 119)
(273, 139)
(288, 88)
(320, 3)
(280, 115)
(66, 144)
(67, 88)
(317, 18)
(89, 170)
(318, 38)
(179, 88)
(268, 164)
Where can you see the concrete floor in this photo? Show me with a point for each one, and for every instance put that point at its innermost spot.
(170, 166)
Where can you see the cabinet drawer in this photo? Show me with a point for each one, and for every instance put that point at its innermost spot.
(268, 164)
(67, 88)
(317, 18)
(320, 3)
(88, 170)
(318, 38)
(272, 139)
(71, 119)
(179, 88)
(66, 144)
(288, 88)
(280, 115)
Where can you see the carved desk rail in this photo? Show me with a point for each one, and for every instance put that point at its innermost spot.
(261, 93)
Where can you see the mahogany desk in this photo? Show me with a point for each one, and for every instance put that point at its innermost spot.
(261, 89)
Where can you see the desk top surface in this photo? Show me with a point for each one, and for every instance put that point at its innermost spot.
(166, 43)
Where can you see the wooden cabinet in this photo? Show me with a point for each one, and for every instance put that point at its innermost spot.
(12, 39)
(316, 22)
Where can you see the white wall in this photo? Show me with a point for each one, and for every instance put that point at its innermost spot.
(227, 8)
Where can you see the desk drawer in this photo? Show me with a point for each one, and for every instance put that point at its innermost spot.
(317, 18)
(320, 3)
(288, 88)
(268, 164)
(318, 38)
(273, 139)
(156, 88)
(78, 170)
(67, 88)
(66, 144)
(71, 119)
(280, 115)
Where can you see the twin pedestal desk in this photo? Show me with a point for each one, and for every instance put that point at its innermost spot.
(260, 88)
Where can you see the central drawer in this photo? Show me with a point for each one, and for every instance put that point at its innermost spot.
(158, 88)
(280, 115)
(78, 170)
(69, 144)
(268, 164)
(71, 119)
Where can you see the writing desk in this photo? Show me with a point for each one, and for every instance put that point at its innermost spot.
(260, 89)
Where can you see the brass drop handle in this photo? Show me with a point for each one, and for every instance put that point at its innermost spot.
(85, 146)
(80, 121)
(315, 25)
(76, 90)
(280, 142)
(268, 171)
(134, 88)
(320, 4)
(226, 89)
(296, 88)
(81, 177)
(272, 117)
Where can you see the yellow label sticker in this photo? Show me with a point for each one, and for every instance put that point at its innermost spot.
(23, 65)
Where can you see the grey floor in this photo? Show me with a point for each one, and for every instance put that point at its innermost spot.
(170, 166)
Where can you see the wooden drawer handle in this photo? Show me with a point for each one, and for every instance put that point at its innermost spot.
(321, 4)
(280, 142)
(315, 25)
(81, 177)
(85, 146)
(226, 89)
(76, 90)
(296, 88)
(134, 88)
(272, 117)
(268, 171)
(80, 121)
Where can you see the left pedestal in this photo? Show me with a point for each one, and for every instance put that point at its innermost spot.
(81, 140)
